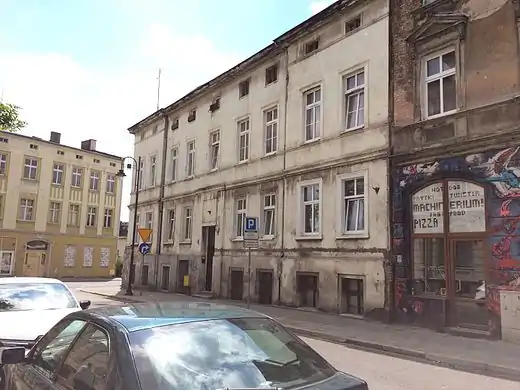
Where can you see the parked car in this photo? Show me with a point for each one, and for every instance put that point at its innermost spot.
(29, 307)
(170, 345)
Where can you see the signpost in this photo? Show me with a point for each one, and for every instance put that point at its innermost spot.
(145, 234)
(144, 248)
(250, 241)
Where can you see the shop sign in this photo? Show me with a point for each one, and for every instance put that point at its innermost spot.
(467, 210)
(427, 210)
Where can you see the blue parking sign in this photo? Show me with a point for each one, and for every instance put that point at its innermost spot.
(251, 225)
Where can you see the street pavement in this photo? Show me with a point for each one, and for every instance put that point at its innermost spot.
(494, 358)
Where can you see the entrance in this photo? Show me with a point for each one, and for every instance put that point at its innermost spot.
(183, 274)
(265, 287)
(237, 284)
(208, 247)
(448, 249)
(144, 275)
(165, 278)
(35, 262)
(307, 288)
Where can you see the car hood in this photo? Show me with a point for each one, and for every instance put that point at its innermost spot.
(28, 325)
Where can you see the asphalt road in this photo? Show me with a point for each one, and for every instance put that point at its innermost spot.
(380, 371)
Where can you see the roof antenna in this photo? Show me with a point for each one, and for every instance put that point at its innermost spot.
(158, 88)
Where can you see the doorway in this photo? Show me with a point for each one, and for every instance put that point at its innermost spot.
(132, 274)
(144, 275)
(265, 287)
(208, 246)
(307, 289)
(165, 278)
(237, 284)
(35, 262)
(352, 292)
(183, 276)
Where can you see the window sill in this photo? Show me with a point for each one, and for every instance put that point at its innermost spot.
(316, 237)
(213, 170)
(271, 83)
(269, 155)
(267, 238)
(312, 141)
(24, 221)
(93, 191)
(56, 185)
(169, 243)
(353, 236)
(237, 239)
(185, 242)
(243, 162)
(29, 180)
(75, 188)
(356, 129)
(190, 177)
(436, 116)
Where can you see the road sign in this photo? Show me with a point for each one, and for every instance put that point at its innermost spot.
(251, 232)
(145, 234)
(144, 248)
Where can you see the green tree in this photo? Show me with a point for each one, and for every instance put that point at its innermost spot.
(10, 118)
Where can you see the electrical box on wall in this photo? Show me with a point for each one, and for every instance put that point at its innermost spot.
(510, 313)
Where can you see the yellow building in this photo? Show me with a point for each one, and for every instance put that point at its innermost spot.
(59, 208)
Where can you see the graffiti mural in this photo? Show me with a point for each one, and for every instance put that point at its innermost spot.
(499, 171)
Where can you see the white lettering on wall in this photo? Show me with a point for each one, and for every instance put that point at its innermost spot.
(427, 210)
(467, 207)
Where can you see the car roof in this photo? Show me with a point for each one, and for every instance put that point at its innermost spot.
(26, 280)
(139, 316)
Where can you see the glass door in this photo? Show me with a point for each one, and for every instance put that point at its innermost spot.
(467, 288)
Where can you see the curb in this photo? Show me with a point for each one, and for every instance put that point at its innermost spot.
(455, 363)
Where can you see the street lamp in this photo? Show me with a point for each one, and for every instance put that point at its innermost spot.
(122, 174)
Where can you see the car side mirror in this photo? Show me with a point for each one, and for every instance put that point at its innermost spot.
(85, 304)
(12, 355)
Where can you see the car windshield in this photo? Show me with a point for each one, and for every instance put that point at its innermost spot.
(35, 296)
(232, 353)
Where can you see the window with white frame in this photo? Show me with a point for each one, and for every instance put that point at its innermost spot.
(57, 174)
(111, 183)
(174, 155)
(137, 226)
(94, 181)
(214, 144)
(240, 216)
(3, 163)
(312, 102)
(6, 262)
(148, 220)
(188, 221)
(354, 86)
(243, 140)
(269, 215)
(353, 204)
(30, 170)
(153, 169)
(271, 130)
(107, 220)
(77, 174)
(310, 208)
(190, 162)
(91, 216)
(26, 212)
(141, 174)
(55, 212)
(440, 80)
(170, 225)
(74, 214)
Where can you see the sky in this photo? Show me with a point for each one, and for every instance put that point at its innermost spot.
(88, 68)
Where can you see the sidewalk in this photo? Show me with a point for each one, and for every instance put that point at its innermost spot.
(493, 358)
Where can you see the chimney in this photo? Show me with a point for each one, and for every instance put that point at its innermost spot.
(55, 137)
(89, 144)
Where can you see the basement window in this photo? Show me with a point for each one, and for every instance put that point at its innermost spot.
(353, 25)
(312, 46)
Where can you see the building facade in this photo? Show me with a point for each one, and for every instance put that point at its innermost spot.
(455, 103)
(59, 208)
(296, 135)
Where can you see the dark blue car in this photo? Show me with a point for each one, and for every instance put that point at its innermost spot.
(164, 346)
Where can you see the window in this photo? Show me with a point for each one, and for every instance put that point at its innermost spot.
(173, 168)
(33, 146)
(311, 204)
(26, 211)
(271, 74)
(240, 216)
(57, 174)
(107, 222)
(79, 157)
(94, 181)
(355, 101)
(141, 174)
(137, 226)
(148, 219)
(190, 163)
(30, 170)
(153, 166)
(214, 149)
(97, 161)
(175, 123)
(60, 153)
(87, 363)
(312, 100)
(192, 115)
(91, 216)
(271, 130)
(243, 140)
(170, 227)
(188, 217)
(74, 214)
(55, 212)
(312, 46)
(111, 183)
(352, 296)
(4, 140)
(269, 214)
(353, 25)
(353, 205)
(77, 173)
(440, 84)
(154, 129)
(243, 88)
(3, 163)
(6, 263)
(215, 105)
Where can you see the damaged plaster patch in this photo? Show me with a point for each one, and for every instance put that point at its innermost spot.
(480, 9)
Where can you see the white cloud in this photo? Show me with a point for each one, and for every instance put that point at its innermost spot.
(320, 5)
(57, 93)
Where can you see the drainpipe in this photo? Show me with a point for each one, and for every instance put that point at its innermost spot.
(284, 179)
(222, 232)
(161, 198)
